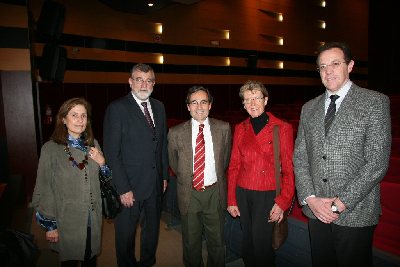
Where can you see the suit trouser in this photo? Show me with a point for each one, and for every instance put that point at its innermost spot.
(254, 207)
(335, 245)
(125, 230)
(204, 213)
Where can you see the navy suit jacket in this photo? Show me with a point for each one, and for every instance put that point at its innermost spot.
(138, 159)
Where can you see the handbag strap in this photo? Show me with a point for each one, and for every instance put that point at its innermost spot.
(278, 165)
(277, 159)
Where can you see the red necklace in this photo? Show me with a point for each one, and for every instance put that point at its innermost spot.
(81, 165)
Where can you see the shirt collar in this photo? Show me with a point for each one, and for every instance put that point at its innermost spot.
(342, 92)
(196, 123)
(138, 101)
(76, 142)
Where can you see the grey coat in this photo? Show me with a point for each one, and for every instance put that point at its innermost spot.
(180, 153)
(351, 160)
(62, 193)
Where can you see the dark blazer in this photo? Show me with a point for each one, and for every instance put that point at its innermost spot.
(181, 158)
(138, 159)
(351, 160)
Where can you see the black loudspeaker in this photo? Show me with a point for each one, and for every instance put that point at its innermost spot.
(252, 61)
(50, 24)
(53, 62)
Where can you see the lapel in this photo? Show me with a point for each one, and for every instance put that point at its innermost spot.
(186, 140)
(317, 117)
(345, 111)
(133, 108)
(253, 142)
(136, 113)
(156, 116)
(217, 141)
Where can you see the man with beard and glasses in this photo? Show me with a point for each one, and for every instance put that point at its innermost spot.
(135, 145)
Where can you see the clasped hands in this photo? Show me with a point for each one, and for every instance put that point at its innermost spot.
(322, 208)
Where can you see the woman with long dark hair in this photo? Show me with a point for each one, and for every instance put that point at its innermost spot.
(67, 192)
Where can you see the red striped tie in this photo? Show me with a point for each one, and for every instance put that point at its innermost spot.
(199, 160)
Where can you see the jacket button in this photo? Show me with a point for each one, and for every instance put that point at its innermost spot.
(324, 157)
(154, 139)
(324, 180)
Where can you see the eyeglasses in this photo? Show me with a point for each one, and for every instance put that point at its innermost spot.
(196, 103)
(257, 99)
(334, 65)
(140, 80)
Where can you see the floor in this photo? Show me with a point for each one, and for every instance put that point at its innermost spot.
(169, 252)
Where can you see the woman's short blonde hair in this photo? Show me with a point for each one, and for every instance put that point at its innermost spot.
(253, 86)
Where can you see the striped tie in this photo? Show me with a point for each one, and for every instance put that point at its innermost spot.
(199, 160)
(330, 113)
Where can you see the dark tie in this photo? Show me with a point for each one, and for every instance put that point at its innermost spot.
(330, 113)
(199, 160)
(147, 115)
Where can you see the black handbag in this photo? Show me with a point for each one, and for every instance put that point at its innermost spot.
(17, 248)
(111, 203)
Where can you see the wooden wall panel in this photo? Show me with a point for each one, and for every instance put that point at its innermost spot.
(14, 59)
(19, 119)
(13, 16)
(204, 21)
(251, 26)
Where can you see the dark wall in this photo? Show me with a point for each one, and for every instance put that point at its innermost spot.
(384, 57)
(19, 120)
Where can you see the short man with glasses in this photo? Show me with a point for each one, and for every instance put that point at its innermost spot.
(135, 145)
(199, 151)
(341, 155)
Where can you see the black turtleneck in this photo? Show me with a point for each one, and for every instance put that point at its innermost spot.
(259, 122)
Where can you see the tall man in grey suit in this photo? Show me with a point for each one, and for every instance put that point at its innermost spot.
(201, 207)
(135, 145)
(340, 159)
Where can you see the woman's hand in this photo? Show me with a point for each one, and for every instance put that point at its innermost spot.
(97, 156)
(233, 211)
(276, 214)
(52, 236)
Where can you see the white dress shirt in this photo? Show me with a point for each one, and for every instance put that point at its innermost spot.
(342, 92)
(210, 175)
(139, 102)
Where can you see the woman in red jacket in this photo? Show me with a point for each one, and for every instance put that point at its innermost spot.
(251, 175)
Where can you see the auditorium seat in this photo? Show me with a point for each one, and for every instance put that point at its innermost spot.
(387, 233)
(394, 167)
(395, 147)
(297, 213)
